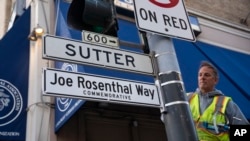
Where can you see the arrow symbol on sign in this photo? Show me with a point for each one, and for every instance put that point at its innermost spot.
(112, 41)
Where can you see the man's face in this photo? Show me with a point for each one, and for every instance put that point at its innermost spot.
(206, 79)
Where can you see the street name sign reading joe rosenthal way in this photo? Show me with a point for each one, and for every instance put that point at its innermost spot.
(98, 88)
(68, 50)
(164, 17)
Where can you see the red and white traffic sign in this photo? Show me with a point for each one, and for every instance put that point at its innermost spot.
(164, 17)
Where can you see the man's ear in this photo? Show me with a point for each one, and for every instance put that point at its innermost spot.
(216, 80)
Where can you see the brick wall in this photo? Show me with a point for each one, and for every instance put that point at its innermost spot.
(232, 11)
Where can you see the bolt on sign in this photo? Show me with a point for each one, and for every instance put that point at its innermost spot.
(164, 17)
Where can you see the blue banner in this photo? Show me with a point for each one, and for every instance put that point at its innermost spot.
(14, 71)
(65, 107)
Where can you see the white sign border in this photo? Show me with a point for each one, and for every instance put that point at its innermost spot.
(45, 56)
(165, 35)
(97, 99)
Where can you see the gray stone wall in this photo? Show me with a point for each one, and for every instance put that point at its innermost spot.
(232, 11)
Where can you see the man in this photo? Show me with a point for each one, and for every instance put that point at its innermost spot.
(212, 111)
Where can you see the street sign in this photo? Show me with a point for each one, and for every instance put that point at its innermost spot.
(126, 4)
(68, 50)
(98, 88)
(101, 39)
(167, 18)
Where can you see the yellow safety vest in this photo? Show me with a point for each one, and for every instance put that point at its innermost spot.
(213, 115)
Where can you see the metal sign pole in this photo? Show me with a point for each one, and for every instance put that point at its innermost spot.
(176, 113)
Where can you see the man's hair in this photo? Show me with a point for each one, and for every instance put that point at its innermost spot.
(210, 65)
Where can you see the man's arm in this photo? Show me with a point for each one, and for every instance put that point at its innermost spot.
(234, 114)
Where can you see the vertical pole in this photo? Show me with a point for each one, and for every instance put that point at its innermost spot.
(176, 113)
(39, 121)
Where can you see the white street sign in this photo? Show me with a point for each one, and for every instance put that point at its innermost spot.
(164, 17)
(69, 50)
(102, 39)
(126, 4)
(98, 88)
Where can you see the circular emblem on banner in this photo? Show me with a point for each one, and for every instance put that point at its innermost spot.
(69, 67)
(167, 4)
(64, 103)
(11, 102)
